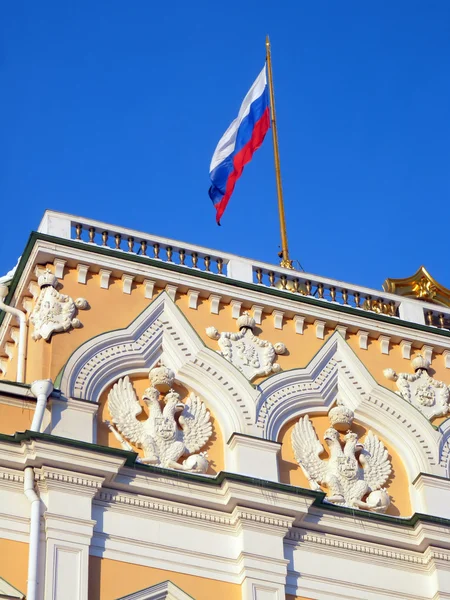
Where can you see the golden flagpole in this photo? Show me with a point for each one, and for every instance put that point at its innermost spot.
(285, 260)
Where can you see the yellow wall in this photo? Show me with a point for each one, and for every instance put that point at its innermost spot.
(14, 563)
(112, 309)
(16, 418)
(290, 471)
(104, 436)
(111, 579)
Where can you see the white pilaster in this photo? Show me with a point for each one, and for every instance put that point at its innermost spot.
(262, 561)
(68, 531)
(254, 456)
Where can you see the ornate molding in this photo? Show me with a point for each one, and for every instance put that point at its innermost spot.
(429, 396)
(54, 312)
(252, 356)
(172, 510)
(169, 432)
(340, 544)
(162, 331)
(353, 474)
(51, 477)
(421, 286)
(298, 392)
(161, 591)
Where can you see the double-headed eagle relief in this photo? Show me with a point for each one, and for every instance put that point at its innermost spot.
(355, 472)
(173, 428)
(429, 396)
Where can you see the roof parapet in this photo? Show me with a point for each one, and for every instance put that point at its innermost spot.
(129, 241)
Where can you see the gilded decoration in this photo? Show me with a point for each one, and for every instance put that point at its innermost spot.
(173, 429)
(252, 356)
(420, 286)
(429, 396)
(355, 472)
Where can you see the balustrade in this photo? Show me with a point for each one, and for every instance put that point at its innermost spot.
(161, 251)
(322, 289)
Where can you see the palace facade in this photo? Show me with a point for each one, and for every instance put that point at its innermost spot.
(179, 423)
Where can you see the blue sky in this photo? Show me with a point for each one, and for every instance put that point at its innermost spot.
(112, 110)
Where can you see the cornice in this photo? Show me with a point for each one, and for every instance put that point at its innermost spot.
(50, 478)
(77, 404)
(228, 288)
(350, 547)
(173, 511)
(11, 479)
(239, 518)
(246, 517)
(152, 475)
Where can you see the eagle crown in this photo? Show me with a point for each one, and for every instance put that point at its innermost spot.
(150, 395)
(173, 403)
(331, 435)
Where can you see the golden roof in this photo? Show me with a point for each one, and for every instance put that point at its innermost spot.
(420, 286)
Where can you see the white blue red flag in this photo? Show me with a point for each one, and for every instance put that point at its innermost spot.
(242, 138)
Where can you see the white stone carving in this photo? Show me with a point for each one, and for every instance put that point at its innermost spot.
(341, 417)
(429, 396)
(252, 356)
(161, 591)
(235, 308)
(82, 273)
(406, 346)
(163, 438)
(9, 349)
(3, 365)
(363, 337)
(299, 324)
(384, 343)
(320, 329)
(54, 312)
(127, 282)
(214, 304)
(427, 352)
(59, 265)
(104, 278)
(446, 355)
(353, 475)
(193, 298)
(257, 313)
(278, 319)
(342, 329)
(171, 291)
(149, 287)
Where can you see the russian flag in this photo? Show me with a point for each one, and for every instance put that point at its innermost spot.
(242, 138)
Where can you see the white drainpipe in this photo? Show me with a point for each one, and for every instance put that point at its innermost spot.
(22, 346)
(42, 390)
(35, 522)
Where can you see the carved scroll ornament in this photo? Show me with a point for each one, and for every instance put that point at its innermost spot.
(252, 356)
(429, 396)
(54, 312)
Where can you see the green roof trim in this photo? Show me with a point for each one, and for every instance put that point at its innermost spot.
(209, 276)
(217, 480)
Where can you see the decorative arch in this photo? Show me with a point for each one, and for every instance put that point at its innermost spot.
(162, 331)
(336, 368)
